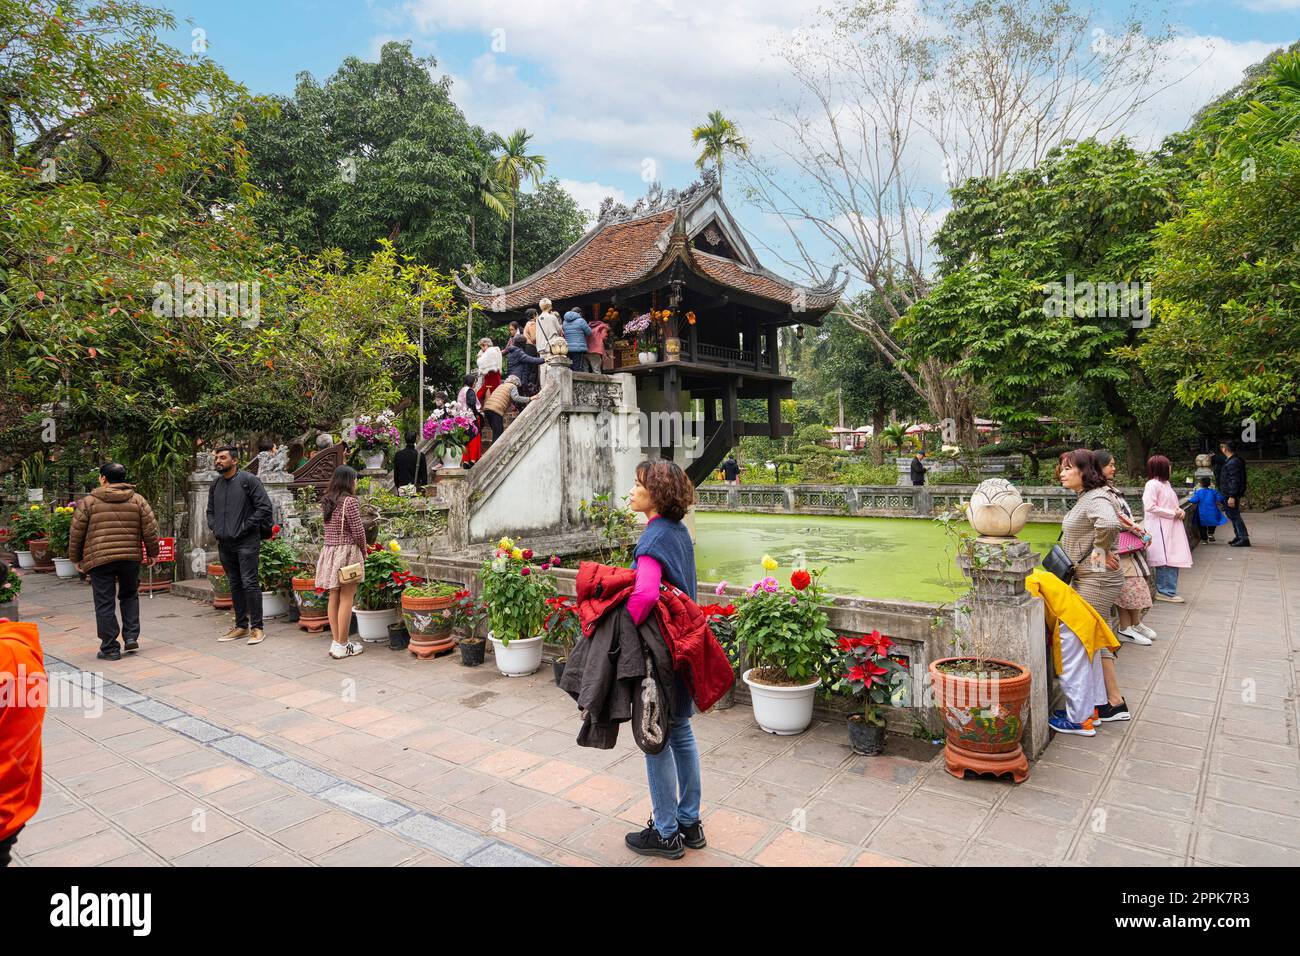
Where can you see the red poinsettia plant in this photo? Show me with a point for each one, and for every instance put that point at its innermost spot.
(562, 624)
(721, 621)
(869, 670)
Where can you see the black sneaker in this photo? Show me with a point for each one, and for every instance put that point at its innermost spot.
(649, 843)
(110, 655)
(693, 835)
(132, 645)
(1243, 543)
(1119, 712)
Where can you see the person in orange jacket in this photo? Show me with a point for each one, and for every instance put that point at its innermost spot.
(22, 694)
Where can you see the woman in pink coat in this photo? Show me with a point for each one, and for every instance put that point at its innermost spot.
(1163, 520)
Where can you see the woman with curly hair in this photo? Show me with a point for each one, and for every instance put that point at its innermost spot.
(665, 553)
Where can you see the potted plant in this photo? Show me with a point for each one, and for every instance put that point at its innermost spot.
(276, 565)
(515, 591)
(983, 702)
(376, 436)
(313, 604)
(27, 526)
(466, 615)
(869, 671)
(220, 586)
(722, 622)
(59, 525)
(450, 429)
(785, 633)
(11, 584)
(380, 591)
(426, 609)
(563, 628)
(640, 328)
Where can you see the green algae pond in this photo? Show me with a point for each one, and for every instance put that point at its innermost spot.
(903, 559)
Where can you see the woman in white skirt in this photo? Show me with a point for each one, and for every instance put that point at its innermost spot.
(345, 544)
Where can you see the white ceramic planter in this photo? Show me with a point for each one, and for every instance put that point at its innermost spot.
(275, 604)
(64, 568)
(645, 358)
(782, 710)
(375, 460)
(25, 559)
(452, 459)
(372, 626)
(521, 658)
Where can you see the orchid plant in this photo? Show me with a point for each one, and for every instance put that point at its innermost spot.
(450, 428)
(376, 432)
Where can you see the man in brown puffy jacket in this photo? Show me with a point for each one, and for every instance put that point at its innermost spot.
(111, 530)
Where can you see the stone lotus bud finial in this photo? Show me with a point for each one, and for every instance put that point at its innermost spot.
(997, 510)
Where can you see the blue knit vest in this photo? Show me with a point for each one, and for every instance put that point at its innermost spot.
(669, 543)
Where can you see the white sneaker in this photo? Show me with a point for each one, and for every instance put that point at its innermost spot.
(1145, 631)
(339, 651)
(1133, 637)
(1171, 598)
(355, 647)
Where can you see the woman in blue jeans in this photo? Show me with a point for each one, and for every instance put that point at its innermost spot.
(665, 552)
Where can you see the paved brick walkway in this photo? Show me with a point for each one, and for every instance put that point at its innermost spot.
(207, 753)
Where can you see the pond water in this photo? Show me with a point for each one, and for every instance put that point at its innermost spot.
(908, 559)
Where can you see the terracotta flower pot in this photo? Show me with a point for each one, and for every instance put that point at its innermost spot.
(430, 630)
(313, 608)
(42, 557)
(220, 586)
(983, 716)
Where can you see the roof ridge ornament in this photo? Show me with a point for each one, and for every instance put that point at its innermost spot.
(656, 200)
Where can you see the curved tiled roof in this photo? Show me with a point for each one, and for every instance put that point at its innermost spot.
(621, 253)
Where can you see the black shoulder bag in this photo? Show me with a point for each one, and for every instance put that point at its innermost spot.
(1058, 562)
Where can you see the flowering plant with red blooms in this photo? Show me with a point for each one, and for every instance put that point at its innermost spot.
(868, 670)
(562, 624)
(466, 613)
(719, 618)
(800, 579)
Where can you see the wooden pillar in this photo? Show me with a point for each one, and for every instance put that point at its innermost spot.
(691, 340)
(673, 401)
(774, 411)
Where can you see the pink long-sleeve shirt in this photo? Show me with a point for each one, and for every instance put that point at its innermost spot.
(645, 592)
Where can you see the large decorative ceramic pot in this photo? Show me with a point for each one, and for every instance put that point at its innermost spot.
(372, 626)
(520, 658)
(25, 559)
(984, 711)
(220, 586)
(645, 358)
(430, 630)
(779, 709)
(275, 604)
(375, 461)
(42, 557)
(313, 608)
(65, 568)
(452, 458)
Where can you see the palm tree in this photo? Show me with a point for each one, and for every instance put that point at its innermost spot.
(510, 169)
(719, 136)
(895, 433)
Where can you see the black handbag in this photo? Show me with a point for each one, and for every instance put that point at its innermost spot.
(1059, 563)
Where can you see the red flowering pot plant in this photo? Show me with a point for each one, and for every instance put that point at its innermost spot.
(721, 621)
(872, 674)
(563, 628)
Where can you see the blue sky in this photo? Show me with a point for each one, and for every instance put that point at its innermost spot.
(611, 89)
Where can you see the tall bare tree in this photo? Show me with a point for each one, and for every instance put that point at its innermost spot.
(895, 99)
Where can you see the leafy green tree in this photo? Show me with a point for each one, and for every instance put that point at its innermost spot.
(1227, 268)
(1041, 284)
(548, 221)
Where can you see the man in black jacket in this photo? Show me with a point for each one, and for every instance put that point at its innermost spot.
(918, 468)
(409, 467)
(1232, 485)
(239, 511)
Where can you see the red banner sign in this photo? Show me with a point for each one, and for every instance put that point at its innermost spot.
(166, 549)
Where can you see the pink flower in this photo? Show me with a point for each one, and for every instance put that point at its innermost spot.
(794, 600)
(721, 588)
(525, 570)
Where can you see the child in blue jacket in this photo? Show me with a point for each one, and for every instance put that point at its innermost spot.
(1208, 501)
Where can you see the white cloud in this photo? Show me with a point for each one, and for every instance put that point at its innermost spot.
(1271, 6)
(589, 195)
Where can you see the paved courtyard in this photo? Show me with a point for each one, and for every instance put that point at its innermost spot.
(224, 754)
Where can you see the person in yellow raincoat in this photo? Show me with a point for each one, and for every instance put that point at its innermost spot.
(1078, 632)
